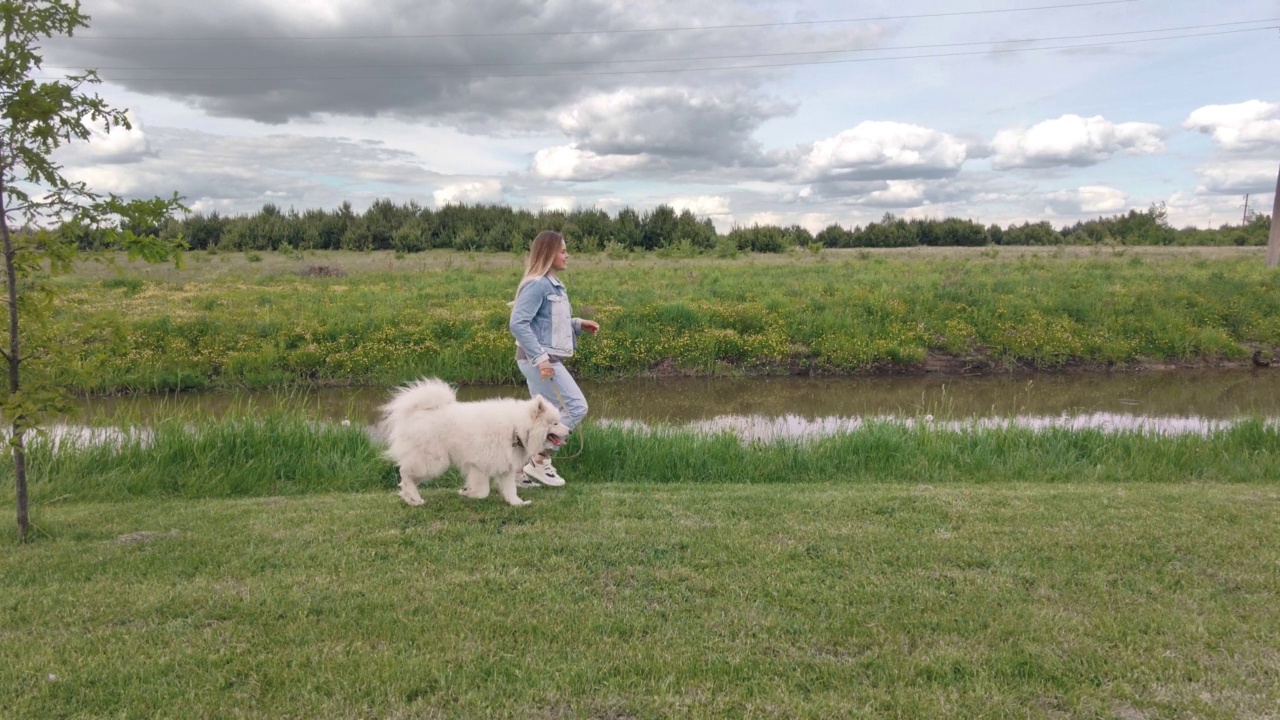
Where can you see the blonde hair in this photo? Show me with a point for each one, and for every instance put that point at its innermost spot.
(542, 254)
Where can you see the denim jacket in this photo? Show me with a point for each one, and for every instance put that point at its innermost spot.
(542, 320)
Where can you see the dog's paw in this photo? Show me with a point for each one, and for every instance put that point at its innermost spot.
(414, 500)
(518, 502)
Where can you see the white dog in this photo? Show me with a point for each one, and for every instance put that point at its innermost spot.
(427, 430)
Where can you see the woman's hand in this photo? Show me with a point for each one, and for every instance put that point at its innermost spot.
(545, 370)
(591, 326)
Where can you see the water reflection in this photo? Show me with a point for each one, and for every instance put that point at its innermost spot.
(753, 428)
(1199, 402)
(1207, 394)
(759, 428)
(1198, 393)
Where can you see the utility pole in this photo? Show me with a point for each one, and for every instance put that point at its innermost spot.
(1273, 246)
(1244, 220)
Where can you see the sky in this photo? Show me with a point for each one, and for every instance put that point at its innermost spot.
(809, 112)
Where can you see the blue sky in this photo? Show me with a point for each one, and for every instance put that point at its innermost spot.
(308, 104)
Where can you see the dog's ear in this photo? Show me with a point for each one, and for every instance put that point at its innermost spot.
(539, 407)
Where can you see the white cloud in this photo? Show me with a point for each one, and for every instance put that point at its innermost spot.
(1237, 176)
(715, 207)
(1190, 210)
(676, 123)
(207, 206)
(118, 145)
(238, 174)
(1073, 140)
(610, 205)
(480, 191)
(814, 222)
(105, 179)
(879, 150)
(570, 163)
(558, 202)
(661, 129)
(764, 218)
(899, 193)
(1251, 125)
(702, 205)
(1090, 199)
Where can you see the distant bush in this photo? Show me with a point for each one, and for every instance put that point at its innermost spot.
(129, 284)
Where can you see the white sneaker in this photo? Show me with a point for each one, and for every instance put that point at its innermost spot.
(524, 481)
(544, 473)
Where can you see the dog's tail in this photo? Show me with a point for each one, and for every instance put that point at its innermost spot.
(423, 396)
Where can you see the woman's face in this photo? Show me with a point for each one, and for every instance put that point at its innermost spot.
(561, 260)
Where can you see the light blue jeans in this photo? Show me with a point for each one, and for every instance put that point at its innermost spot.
(575, 404)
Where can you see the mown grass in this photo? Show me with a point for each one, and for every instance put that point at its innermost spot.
(225, 322)
(262, 566)
(648, 600)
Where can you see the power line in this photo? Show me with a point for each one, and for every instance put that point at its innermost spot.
(687, 28)
(696, 58)
(683, 70)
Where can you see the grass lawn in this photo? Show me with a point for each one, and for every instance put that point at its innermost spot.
(646, 600)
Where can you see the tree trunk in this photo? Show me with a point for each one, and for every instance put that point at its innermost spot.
(16, 442)
(20, 473)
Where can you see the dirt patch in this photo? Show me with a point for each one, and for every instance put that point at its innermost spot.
(936, 362)
(145, 536)
(322, 271)
(940, 363)
(1125, 712)
(666, 368)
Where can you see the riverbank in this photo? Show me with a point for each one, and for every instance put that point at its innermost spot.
(325, 319)
(252, 454)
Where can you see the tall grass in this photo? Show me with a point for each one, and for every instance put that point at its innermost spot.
(281, 454)
(275, 454)
(227, 325)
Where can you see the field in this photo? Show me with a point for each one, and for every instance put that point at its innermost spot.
(258, 564)
(264, 568)
(228, 320)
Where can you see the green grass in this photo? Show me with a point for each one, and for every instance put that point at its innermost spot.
(226, 322)
(283, 454)
(263, 567)
(645, 600)
(259, 565)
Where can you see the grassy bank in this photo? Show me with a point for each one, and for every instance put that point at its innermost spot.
(375, 318)
(647, 600)
(288, 455)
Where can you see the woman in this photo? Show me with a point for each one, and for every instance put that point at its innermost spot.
(546, 332)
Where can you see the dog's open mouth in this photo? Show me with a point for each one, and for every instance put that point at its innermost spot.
(555, 440)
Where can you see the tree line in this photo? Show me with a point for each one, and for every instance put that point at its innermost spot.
(499, 228)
